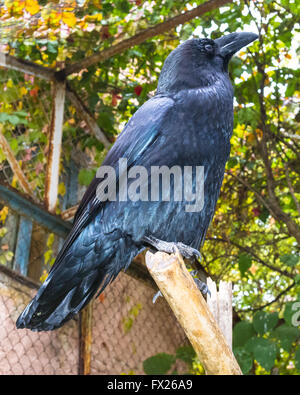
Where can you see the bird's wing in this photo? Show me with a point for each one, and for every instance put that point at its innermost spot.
(138, 135)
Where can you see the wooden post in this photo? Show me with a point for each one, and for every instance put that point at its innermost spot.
(220, 304)
(191, 310)
(23, 245)
(85, 339)
(55, 138)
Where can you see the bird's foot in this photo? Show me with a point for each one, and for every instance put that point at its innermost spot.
(171, 247)
(203, 288)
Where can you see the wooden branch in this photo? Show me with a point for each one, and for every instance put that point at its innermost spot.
(14, 164)
(86, 115)
(85, 339)
(25, 66)
(55, 139)
(191, 310)
(145, 35)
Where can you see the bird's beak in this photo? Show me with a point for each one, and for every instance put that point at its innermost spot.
(232, 43)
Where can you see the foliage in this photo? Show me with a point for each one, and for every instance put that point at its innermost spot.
(263, 344)
(255, 235)
(164, 363)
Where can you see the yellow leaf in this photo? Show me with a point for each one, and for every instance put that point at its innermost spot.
(69, 19)
(43, 276)
(94, 17)
(23, 91)
(9, 83)
(251, 138)
(50, 240)
(61, 189)
(259, 133)
(240, 130)
(32, 6)
(3, 214)
(14, 182)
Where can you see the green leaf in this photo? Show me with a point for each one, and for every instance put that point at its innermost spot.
(14, 145)
(263, 350)
(297, 359)
(245, 262)
(158, 364)
(86, 176)
(264, 322)
(105, 121)
(264, 215)
(52, 47)
(297, 279)
(186, 354)
(123, 6)
(289, 259)
(244, 359)
(14, 118)
(232, 162)
(242, 332)
(286, 336)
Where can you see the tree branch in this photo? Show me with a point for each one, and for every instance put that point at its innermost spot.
(14, 164)
(269, 303)
(145, 35)
(86, 115)
(255, 256)
(273, 206)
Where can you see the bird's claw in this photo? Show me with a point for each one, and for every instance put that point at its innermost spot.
(171, 247)
(156, 296)
(203, 288)
(188, 252)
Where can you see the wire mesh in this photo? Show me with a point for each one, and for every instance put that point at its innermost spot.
(27, 352)
(127, 327)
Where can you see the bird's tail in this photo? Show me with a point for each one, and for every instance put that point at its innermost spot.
(82, 268)
(57, 302)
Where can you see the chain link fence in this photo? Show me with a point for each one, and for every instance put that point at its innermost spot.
(127, 328)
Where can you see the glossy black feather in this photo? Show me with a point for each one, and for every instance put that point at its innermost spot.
(187, 123)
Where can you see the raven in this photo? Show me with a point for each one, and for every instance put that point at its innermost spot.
(188, 122)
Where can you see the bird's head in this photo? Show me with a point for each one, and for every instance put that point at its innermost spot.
(199, 62)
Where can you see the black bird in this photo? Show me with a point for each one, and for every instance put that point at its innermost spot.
(188, 122)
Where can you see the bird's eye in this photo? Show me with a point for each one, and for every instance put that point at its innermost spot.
(209, 48)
